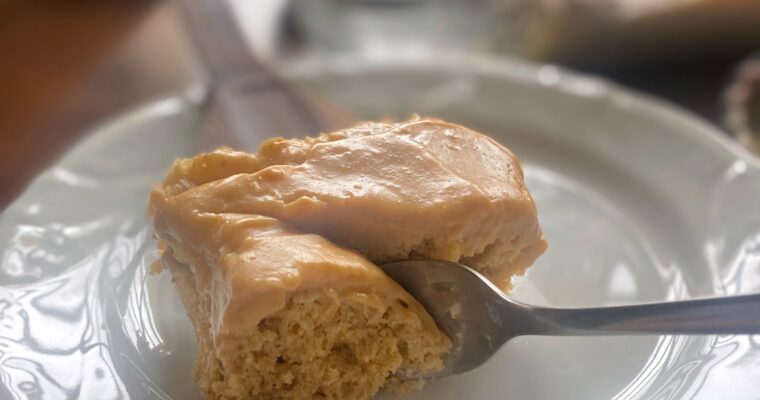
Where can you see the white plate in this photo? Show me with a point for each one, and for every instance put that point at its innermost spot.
(639, 202)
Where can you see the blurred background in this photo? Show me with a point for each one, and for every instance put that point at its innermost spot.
(66, 66)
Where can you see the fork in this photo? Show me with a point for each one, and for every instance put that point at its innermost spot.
(479, 318)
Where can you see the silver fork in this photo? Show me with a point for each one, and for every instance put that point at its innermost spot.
(479, 318)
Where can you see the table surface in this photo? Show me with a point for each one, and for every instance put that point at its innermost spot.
(76, 63)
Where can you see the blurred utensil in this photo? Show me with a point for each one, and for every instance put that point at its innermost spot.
(244, 101)
(479, 318)
(742, 105)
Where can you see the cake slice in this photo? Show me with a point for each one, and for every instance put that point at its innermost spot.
(274, 254)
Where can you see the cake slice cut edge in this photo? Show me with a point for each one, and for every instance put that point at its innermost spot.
(269, 332)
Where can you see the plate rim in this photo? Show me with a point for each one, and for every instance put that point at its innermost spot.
(563, 80)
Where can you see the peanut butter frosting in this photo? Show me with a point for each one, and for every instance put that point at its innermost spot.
(319, 212)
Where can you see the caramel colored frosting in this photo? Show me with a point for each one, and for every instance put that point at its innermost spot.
(311, 213)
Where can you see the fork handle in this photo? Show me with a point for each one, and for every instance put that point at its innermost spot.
(723, 315)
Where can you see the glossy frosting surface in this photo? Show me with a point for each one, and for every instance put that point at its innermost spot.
(284, 220)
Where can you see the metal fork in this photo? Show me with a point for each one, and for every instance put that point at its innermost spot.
(245, 102)
(479, 318)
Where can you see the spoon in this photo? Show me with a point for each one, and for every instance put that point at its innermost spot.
(479, 318)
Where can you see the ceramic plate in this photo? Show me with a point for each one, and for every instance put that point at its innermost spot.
(639, 202)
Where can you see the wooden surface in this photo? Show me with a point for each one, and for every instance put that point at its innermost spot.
(67, 65)
(52, 52)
